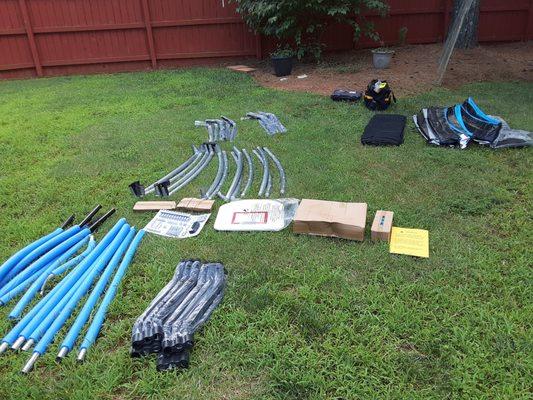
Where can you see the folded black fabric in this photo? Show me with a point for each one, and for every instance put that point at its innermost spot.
(384, 130)
(346, 95)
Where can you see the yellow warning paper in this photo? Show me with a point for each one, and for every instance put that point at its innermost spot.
(412, 242)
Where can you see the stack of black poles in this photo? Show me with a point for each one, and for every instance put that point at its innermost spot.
(168, 325)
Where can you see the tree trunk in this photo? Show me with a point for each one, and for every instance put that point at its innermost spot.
(468, 35)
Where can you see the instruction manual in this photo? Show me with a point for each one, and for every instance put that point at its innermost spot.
(411, 242)
(177, 224)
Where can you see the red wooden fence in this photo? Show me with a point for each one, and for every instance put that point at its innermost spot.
(62, 37)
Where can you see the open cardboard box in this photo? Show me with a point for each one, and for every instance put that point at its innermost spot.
(331, 218)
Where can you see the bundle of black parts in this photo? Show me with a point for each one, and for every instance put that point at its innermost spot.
(168, 325)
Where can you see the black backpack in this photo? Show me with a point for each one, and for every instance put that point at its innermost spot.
(378, 95)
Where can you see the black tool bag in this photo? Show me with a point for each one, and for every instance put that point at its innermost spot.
(378, 95)
(384, 129)
(346, 95)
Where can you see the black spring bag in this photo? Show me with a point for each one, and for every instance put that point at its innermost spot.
(378, 95)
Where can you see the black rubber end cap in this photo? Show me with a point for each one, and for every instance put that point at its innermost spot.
(137, 189)
(161, 189)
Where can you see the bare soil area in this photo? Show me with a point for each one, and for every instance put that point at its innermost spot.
(413, 69)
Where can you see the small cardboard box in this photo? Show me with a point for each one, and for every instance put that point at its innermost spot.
(382, 226)
(331, 218)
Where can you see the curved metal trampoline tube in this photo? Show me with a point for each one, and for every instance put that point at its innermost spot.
(282, 177)
(237, 155)
(197, 159)
(218, 176)
(266, 173)
(269, 186)
(176, 173)
(192, 174)
(223, 178)
(163, 188)
(236, 178)
(250, 173)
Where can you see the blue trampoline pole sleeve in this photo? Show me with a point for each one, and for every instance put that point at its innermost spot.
(6, 297)
(34, 288)
(66, 266)
(84, 314)
(42, 249)
(111, 292)
(37, 266)
(69, 264)
(57, 317)
(6, 267)
(31, 317)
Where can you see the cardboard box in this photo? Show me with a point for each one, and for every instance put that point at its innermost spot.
(331, 218)
(382, 226)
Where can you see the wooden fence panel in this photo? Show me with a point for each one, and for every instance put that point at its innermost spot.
(62, 37)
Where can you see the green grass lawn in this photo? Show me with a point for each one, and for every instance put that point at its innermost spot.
(303, 317)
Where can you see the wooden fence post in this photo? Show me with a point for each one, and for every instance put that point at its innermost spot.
(149, 32)
(529, 25)
(258, 47)
(31, 37)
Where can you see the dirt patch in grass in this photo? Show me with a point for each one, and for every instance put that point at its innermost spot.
(412, 71)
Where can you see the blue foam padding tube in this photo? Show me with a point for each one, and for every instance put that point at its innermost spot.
(51, 311)
(42, 249)
(69, 264)
(35, 269)
(8, 265)
(12, 292)
(56, 319)
(111, 292)
(30, 317)
(85, 312)
(33, 314)
(34, 288)
(36, 328)
(16, 330)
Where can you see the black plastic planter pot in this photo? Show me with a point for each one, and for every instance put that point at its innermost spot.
(282, 65)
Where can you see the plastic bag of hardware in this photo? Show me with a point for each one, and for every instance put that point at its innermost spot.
(268, 121)
(256, 215)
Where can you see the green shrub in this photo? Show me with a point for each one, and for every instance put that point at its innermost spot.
(301, 23)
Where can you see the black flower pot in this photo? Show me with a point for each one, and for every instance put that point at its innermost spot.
(282, 65)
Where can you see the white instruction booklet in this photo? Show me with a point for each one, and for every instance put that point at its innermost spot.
(177, 224)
